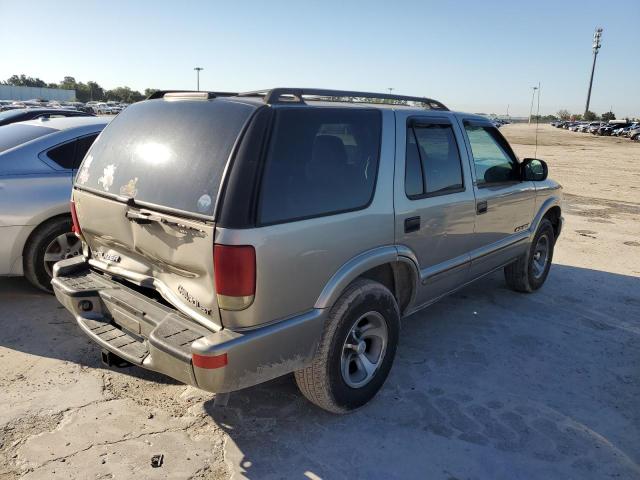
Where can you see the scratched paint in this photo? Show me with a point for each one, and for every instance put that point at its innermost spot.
(107, 177)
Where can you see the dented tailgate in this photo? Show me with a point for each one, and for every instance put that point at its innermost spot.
(170, 254)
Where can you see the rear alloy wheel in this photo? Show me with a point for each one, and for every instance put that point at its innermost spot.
(49, 243)
(356, 350)
(364, 349)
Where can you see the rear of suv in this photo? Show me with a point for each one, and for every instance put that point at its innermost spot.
(233, 238)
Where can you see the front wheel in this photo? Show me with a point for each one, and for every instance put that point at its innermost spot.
(530, 271)
(356, 350)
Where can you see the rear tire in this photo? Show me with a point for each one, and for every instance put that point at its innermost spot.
(356, 350)
(530, 271)
(45, 247)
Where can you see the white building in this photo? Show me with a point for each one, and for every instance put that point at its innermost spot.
(11, 92)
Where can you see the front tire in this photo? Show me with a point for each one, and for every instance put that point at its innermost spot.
(530, 271)
(49, 243)
(356, 350)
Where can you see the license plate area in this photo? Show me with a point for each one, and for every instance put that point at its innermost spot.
(125, 320)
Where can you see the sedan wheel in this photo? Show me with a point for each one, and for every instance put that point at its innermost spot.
(63, 246)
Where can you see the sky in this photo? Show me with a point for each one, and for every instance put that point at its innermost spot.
(472, 56)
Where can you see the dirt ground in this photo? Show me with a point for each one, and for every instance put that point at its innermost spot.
(487, 384)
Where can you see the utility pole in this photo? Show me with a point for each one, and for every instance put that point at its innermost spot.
(596, 47)
(533, 95)
(198, 70)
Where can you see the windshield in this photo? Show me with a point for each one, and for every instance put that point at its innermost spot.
(17, 133)
(166, 153)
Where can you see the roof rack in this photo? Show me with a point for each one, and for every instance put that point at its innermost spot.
(295, 95)
(188, 93)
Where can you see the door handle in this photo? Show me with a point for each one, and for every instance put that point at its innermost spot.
(411, 224)
(481, 207)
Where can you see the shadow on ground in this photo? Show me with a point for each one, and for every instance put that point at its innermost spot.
(487, 383)
(46, 329)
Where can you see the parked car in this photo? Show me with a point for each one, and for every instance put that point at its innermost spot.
(102, 108)
(609, 128)
(115, 109)
(37, 161)
(23, 114)
(248, 263)
(621, 131)
(594, 127)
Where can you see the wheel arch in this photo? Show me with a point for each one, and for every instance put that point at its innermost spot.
(385, 265)
(551, 209)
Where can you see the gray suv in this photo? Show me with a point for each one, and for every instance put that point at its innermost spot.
(229, 239)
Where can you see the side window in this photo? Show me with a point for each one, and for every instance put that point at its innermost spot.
(320, 161)
(64, 155)
(82, 147)
(433, 165)
(493, 159)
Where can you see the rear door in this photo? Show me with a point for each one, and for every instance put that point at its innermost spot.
(504, 203)
(146, 194)
(434, 202)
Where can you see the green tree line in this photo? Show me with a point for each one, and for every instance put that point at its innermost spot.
(589, 116)
(85, 92)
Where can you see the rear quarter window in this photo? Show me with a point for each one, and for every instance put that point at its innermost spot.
(320, 161)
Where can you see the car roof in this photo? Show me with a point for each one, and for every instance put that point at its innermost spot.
(65, 123)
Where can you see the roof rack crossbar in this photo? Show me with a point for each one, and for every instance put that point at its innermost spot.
(176, 93)
(295, 95)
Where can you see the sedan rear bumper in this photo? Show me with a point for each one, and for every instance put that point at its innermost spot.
(154, 336)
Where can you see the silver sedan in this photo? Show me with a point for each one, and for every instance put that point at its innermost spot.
(38, 160)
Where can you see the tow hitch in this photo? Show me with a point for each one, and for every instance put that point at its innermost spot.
(110, 359)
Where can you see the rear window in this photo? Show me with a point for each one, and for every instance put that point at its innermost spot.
(166, 153)
(321, 161)
(16, 134)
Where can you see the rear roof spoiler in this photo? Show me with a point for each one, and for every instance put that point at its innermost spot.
(188, 94)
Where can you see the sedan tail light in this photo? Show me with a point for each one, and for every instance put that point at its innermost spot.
(75, 228)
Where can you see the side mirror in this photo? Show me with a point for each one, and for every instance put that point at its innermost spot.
(534, 170)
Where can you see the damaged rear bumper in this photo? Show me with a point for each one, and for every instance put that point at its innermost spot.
(156, 337)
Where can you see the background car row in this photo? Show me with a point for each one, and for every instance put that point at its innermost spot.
(614, 128)
(98, 108)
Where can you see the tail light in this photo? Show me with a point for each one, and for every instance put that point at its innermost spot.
(75, 228)
(235, 275)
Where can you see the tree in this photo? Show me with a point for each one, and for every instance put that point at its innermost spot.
(563, 114)
(69, 83)
(589, 116)
(24, 81)
(607, 116)
(149, 91)
(96, 92)
(124, 94)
